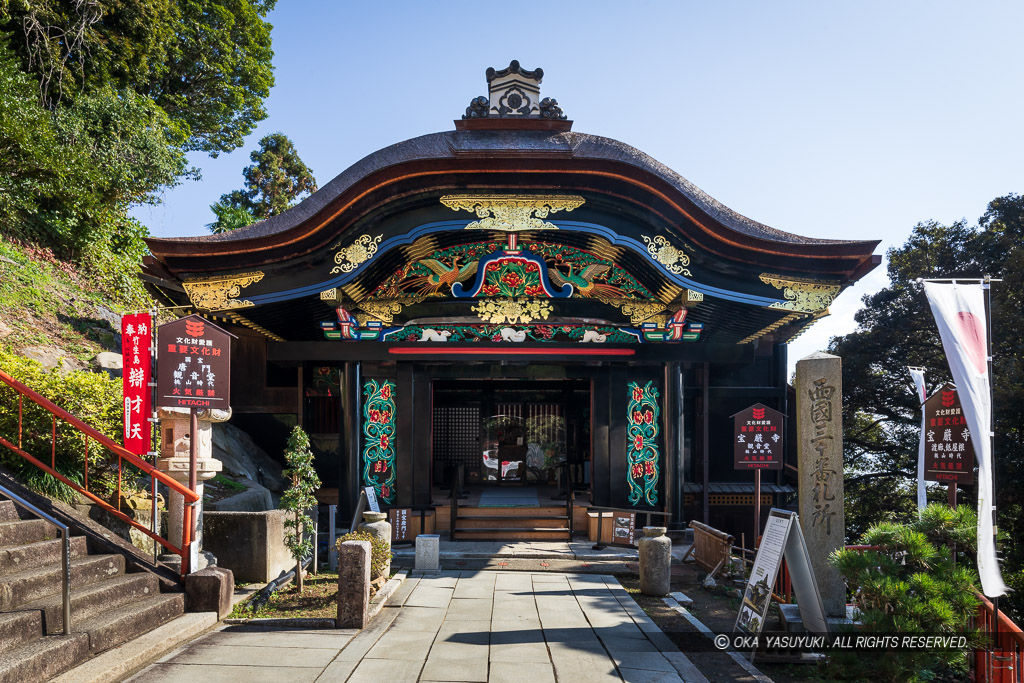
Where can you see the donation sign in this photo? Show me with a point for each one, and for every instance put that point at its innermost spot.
(194, 366)
(136, 336)
(948, 454)
(757, 438)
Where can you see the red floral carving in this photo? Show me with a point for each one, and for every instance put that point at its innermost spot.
(638, 442)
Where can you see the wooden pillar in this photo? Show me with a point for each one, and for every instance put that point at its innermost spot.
(349, 453)
(705, 448)
(423, 430)
(405, 434)
(672, 470)
(599, 434)
(618, 403)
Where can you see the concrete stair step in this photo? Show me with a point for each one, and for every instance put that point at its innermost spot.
(18, 628)
(115, 626)
(43, 658)
(33, 584)
(8, 511)
(25, 531)
(19, 558)
(95, 598)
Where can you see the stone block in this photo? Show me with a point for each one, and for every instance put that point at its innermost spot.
(353, 584)
(428, 553)
(210, 590)
(819, 408)
(250, 544)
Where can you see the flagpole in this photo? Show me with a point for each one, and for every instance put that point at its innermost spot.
(987, 286)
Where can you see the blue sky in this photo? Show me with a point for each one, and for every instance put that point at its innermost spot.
(837, 120)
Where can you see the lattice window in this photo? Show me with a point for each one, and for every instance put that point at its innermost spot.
(738, 499)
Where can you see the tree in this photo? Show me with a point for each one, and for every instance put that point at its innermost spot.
(896, 329)
(205, 63)
(275, 180)
(229, 218)
(299, 498)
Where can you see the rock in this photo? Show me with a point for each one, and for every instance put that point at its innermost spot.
(4, 330)
(51, 357)
(104, 313)
(710, 582)
(736, 593)
(241, 455)
(254, 499)
(682, 599)
(109, 362)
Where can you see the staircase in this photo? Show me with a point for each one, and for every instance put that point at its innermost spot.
(512, 524)
(108, 606)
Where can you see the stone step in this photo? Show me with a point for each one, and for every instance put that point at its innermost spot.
(8, 511)
(43, 658)
(33, 584)
(25, 531)
(122, 623)
(18, 628)
(18, 558)
(95, 598)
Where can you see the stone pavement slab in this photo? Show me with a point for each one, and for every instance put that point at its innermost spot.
(469, 626)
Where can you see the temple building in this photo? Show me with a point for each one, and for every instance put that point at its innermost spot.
(514, 310)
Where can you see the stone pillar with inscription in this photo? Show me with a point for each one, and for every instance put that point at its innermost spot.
(819, 392)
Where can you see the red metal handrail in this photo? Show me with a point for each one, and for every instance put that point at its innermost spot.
(123, 456)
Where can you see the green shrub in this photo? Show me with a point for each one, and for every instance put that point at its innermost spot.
(920, 580)
(93, 398)
(380, 551)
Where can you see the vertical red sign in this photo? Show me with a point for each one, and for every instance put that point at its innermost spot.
(136, 335)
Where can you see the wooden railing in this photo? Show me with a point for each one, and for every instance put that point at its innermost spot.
(1002, 662)
(60, 417)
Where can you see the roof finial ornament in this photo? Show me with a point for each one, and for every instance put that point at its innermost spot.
(514, 94)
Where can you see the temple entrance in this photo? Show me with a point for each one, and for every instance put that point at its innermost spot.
(520, 447)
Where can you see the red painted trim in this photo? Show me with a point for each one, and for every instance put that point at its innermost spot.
(473, 351)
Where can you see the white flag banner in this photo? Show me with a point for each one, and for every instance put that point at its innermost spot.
(918, 375)
(959, 311)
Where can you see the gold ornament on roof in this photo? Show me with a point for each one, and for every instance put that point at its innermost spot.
(511, 311)
(385, 310)
(360, 251)
(219, 293)
(512, 212)
(674, 260)
(641, 310)
(801, 294)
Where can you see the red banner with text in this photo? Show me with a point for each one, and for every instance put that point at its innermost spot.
(136, 336)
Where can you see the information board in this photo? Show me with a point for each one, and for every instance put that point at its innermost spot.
(782, 538)
(399, 518)
(948, 451)
(758, 438)
(624, 528)
(194, 365)
(371, 499)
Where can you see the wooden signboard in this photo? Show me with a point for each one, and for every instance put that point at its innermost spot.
(624, 528)
(194, 365)
(948, 451)
(400, 531)
(782, 539)
(371, 499)
(757, 438)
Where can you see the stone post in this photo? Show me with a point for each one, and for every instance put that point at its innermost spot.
(428, 555)
(353, 584)
(376, 524)
(655, 561)
(175, 461)
(819, 409)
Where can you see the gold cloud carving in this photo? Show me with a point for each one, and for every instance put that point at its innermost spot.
(511, 311)
(672, 259)
(220, 293)
(512, 212)
(802, 295)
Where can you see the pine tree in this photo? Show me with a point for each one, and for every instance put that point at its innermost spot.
(299, 498)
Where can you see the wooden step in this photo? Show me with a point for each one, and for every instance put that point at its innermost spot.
(545, 511)
(511, 522)
(512, 535)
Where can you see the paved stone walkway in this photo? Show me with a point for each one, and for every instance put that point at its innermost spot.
(455, 626)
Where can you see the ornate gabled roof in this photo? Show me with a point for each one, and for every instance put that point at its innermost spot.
(588, 230)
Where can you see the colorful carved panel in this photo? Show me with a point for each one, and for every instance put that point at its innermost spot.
(379, 438)
(511, 274)
(643, 458)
